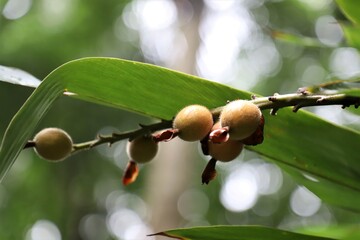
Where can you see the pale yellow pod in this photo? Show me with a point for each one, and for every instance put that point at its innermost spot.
(241, 117)
(142, 149)
(194, 122)
(53, 144)
(225, 151)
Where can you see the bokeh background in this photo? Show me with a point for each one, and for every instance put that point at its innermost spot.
(227, 41)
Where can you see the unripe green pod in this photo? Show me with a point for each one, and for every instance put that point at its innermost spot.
(225, 151)
(194, 122)
(53, 144)
(241, 117)
(142, 149)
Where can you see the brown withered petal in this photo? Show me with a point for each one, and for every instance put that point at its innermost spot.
(258, 136)
(165, 135)
(219, 135)
(131, 172)
(209, 172)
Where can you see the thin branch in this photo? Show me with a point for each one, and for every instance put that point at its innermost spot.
(299, 100)
(115, 137)
(274, 103)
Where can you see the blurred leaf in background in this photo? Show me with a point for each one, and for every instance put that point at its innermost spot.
(225, 41)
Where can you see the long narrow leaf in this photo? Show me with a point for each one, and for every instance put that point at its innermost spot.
(300, 142)
(236, 233)
(297, 39)
(351, 9)
(18, 76)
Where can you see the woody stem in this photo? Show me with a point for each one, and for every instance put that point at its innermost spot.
(275, 102)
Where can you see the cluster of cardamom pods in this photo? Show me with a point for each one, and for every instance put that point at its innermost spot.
(239, 123)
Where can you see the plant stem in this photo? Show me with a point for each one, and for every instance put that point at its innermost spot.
(300, 100)
(115, 137)
(275, 102)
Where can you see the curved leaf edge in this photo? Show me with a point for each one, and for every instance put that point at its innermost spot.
(243, 232)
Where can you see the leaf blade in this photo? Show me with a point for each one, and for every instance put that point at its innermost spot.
(236, 233)
(18, 76)
(24, 122)
(149, 93)
(301, 141)
(351, 9)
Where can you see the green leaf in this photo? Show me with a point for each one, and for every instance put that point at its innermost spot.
(351, 9)
(333, 231)
(235, 233)
(18, 76)
(348, 87)
(139, 87)
(297, 39)
(352, 35)
(300, 142)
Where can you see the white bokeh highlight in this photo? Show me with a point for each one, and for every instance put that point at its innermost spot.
(15, 9)
(304, 203)
(248, 181)
(43, 229)
(240, 191)
(345, 62)
(328, 31)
